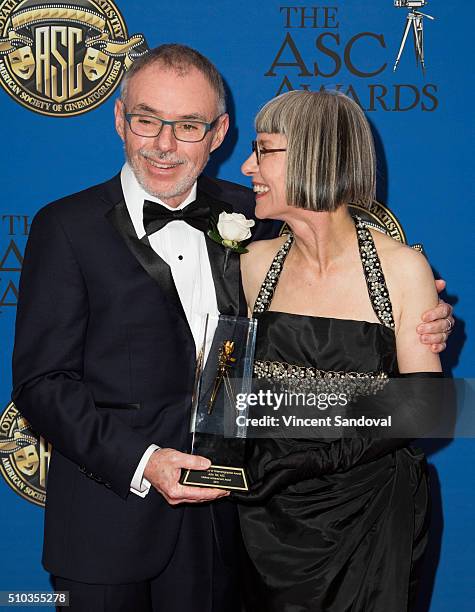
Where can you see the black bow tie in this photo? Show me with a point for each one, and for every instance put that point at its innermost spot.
(156, 216)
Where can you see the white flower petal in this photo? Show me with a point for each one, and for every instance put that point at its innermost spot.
(234, 226)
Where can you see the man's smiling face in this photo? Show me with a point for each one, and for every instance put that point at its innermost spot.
(164, 166)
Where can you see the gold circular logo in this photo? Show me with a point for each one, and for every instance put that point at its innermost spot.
(64, 58)
(24, 456)
(379, 217)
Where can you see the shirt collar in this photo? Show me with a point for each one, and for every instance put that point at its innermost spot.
(135, 195)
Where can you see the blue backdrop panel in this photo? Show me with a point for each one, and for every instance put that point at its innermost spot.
(424, 133)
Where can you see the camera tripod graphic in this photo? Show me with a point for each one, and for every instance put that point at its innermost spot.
(414, 20)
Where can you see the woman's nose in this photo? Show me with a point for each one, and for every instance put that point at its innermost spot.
(249, 167)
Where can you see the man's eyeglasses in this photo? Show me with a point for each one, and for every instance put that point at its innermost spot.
(260, 151)
(149, 126)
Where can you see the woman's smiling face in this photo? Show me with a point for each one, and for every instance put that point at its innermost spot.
(269, 176)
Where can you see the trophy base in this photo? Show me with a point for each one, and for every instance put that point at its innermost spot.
(217, 476)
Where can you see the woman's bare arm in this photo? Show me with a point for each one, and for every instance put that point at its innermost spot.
(254, 266)
(416, 293)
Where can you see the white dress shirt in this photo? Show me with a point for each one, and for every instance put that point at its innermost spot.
(183, 248)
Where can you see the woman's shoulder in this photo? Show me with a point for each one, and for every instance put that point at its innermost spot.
(272, 245)
(262, 252)
(405, 268)
(398, 255)
(256, 263)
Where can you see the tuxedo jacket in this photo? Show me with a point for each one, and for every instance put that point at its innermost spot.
(103, 366)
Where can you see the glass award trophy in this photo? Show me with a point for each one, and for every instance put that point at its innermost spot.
(223, 375)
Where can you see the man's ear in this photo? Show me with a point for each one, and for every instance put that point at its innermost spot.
(219, 131)
(119, 118)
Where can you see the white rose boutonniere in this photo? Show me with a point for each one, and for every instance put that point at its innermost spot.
(231, 229)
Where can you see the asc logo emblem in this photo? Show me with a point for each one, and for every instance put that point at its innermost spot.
(24, 458)
(380, 218)
(64, 58)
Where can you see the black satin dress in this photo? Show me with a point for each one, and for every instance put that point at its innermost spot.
(348, 540)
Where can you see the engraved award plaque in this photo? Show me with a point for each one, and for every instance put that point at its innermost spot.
(223, 374)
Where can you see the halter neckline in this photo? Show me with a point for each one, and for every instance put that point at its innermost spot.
(373, 272)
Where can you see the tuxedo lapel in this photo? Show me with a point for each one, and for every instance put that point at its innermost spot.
(152, 263)
(225, 266)
(225, 271)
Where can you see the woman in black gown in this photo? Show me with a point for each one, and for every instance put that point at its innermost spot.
(345, 528)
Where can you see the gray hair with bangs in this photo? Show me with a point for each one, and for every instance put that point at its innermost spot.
(330, 149)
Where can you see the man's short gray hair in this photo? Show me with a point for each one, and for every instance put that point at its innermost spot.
(179, 58)
(330, 149)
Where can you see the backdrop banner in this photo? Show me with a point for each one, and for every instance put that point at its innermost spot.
(61, 64)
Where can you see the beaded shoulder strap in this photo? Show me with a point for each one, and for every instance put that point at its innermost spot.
(266, 292)
(375, 281)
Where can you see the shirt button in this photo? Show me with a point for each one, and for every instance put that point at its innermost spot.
(180, 257)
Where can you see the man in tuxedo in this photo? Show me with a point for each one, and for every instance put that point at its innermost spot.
(115, 283)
